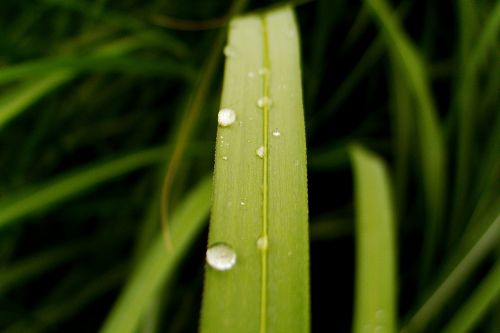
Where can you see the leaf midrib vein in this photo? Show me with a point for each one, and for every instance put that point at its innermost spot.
(265, 188)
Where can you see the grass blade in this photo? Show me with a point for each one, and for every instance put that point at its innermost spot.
(49, 315)
(97, 63)
(260, 204)
(484, 296)
(22, 97)
(24, 270)
(19, 99)
(157, 265)
(432, 157)
(375, 308)
(486, 240)
(39, 198)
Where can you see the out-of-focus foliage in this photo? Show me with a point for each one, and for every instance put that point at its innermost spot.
(94, 98)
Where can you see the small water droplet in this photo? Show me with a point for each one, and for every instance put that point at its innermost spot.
(260, 151)
(229, 51)
(262, 243)
(380, 315)
(251, 74)
(276, 132)
(221, 256)
(263, 71)
(224, 158)
(226, 117)
(264, 101)
(242, 203)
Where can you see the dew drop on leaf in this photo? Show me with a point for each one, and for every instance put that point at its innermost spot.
(262, 243)
(229, 51)
(260, 151)
(221, 257)
(226, 117)
(264, 101)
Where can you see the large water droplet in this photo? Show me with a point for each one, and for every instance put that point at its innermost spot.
(260, 151)
(264, 101)
(276, 132)
(226, 117)
(262, 243)
(221, 257)
(229, 51)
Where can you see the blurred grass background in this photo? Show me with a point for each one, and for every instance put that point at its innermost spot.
(92, 96)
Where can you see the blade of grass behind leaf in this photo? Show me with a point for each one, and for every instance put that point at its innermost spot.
(432, 155)
(40, 198)
(158, 265)
(20, 98)
(477, 243)
(375, 301)
(471, 311)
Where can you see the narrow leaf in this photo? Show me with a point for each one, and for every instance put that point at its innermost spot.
(430, 141)
(485, 295)
(458, 272)
(375, 308)
(260, 199)
(157, 265)
(39, 198)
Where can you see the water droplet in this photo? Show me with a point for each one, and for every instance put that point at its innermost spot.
(242, 203)
(226, 117)
(251, 74)
(260, 151)
(380, 315)
(229, 51)
(224, 158)
(276, 132)
(262, 243)
(221, 257)
(263, 71)
(264, 101)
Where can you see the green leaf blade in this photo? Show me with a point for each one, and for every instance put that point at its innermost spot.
(158, 265)
(375, 308)
(261, 198)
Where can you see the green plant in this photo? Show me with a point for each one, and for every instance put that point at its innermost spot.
(108, 124)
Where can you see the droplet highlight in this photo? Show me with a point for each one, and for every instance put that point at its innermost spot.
(224, 158)
(264, 101)
(251, 75)
(276, 132)
(260, 151)
(226, 117)
(229, 51)
(221, 257)
(263, 71)
(262, 243)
